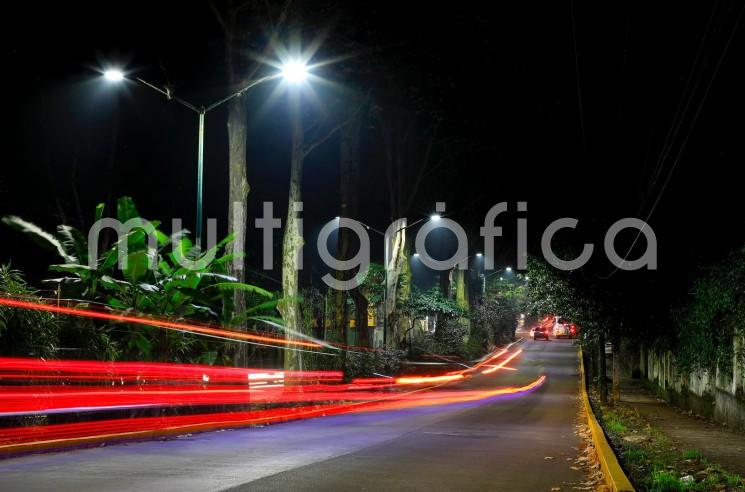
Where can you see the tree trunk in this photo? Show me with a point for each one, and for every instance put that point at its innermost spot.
(238, 198)
(238, 180)
(361, 306)
(461, 297)
(593, 364)
(445, 283)
(616, 388)
(293, 241)
(396, 262)
(602, 383)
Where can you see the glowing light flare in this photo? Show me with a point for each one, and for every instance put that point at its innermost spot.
(113, 75)
(160, 323)
(294, 71)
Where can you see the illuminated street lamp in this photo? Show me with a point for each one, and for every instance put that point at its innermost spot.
(295, 71)
(292, 71)
(113, 75)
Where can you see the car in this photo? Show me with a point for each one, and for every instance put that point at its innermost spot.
(540, 332)
(563, 328)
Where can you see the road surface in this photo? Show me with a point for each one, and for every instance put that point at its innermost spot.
(503, 444)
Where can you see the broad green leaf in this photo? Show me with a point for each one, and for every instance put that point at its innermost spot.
(226, 258)
(165, 268)
(243, 287)
(125, 209)
(148, 287)
(71, 268)
(137, 266)
(62, 280)
(110, 259)
(112, 283)
(221, 276)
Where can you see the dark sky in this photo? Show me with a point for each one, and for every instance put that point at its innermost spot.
(523, 116)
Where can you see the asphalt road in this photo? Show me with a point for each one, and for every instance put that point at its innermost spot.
(503, 444)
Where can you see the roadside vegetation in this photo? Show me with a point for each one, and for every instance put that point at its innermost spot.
(427, 325)
(655, 463)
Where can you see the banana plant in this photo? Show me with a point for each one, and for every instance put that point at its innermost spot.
(151, 280)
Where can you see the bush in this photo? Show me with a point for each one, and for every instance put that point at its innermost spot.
(450, 337)
(24, 332)
(356, 364)
(496, 319)
(712, 317)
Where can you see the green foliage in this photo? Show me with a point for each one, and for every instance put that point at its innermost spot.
(431, 302)
(450, 337)
(153, 281)
(373, 286)
(386, 362)
(551, 291)
(708, 323)
(24, 332)
(358, 363)
(493, 321)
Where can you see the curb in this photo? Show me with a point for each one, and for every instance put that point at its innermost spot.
(615, 478)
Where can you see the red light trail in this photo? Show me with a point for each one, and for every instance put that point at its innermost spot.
(95, 395)
(160, 323)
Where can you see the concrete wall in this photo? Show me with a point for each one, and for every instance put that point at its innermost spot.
(718, 395)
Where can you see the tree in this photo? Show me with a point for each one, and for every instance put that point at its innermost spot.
(292, 243)
(408, 146)
(235, 22)
(552, 291)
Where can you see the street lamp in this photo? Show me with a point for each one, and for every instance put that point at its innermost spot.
(292, 71)
(295, 71)
(113, 75)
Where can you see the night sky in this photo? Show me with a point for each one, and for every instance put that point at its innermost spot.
(522, 114)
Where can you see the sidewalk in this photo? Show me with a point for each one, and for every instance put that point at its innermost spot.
(716, 443)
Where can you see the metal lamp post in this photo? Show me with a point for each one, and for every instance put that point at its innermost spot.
(293, 72)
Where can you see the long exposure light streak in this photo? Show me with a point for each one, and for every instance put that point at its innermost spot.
(160, 323)
(54, 403)
(502, 364)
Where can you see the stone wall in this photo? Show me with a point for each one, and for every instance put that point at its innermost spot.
(719, 395)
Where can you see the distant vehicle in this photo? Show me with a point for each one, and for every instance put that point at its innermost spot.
(540, 332)
(563, 328)
(532, 331)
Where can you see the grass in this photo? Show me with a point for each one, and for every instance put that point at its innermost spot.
(635, 456)
(665, 481)
(692, 454)
(613, 423)
(654, 463)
